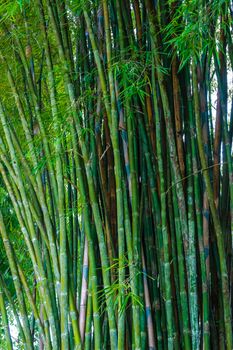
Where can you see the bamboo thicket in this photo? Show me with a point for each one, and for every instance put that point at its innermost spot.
(116, 174)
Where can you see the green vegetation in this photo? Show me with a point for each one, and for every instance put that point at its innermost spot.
(116, 174)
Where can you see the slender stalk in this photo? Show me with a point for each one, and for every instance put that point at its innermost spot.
(217, 225)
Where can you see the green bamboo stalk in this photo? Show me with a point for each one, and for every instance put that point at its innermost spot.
(38, 265)
(64, 298)
(17, 284)
(166, 267)
(37, 113)
(93, 198)
(40, 192)
(32, 303)
(88, 324)
(192, 257)
(217, 225)
(197, 194)
(13, 307)
(133, 187)
(5, 321)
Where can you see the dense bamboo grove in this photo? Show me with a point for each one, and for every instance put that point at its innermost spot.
(116, 174)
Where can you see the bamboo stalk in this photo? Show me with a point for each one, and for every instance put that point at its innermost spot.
(217, 225)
